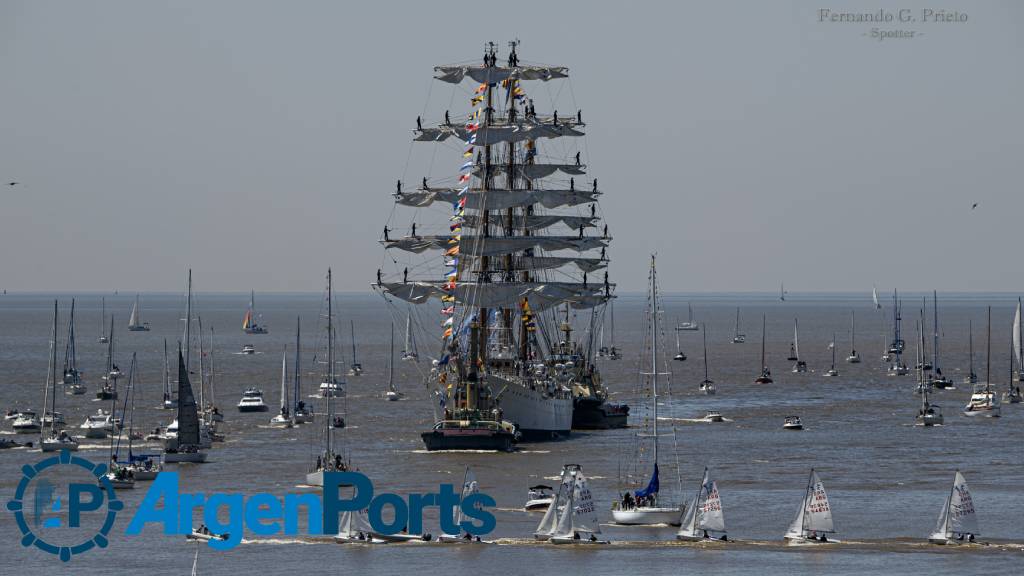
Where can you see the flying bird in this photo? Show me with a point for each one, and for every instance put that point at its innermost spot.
(12, 183)
(973, 206)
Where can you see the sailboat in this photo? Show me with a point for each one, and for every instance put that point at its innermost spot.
(577, 521)
(737, 337)
(928, 414)
(185, 445)
(1018, 343)
(782, 292)
(301, 414)
(168, 403)
(250, 325)
(72, 380)
(56, 439)
(958, 521)
(135, 323)
(354, 528)
(690, 323)
(794, 350)
(972, 377)
(557, 503)
(766, 374)
(814, 520)
(1012, 394)
(330, 458)
(119, 475)
(704, 518)
(874, 298)
(283, 418)
(832, 371)
(139, 467)
(895, 352)
(409, 351)
(984, 401)
(469, 487)
(109, 389)
(853, 358)
(103, 320)
(707, 386)
(331, 385)
(924, 363)
(679, 357)
(354, 369)
(493, 267)
(392, 392)
(938, 380)
(642, 506)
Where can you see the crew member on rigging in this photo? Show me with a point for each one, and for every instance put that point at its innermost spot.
(398, 188)
(386, 234)
(578, 159)
(419, 123)
(405, 276)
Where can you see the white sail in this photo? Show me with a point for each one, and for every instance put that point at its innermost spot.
(354, 523)
(1017, 338)
(958, 515)
(535, 222)
(584, 513)
(534, 171)
(493, 74)
(551, 516)
(133, 320)
(498, 199)
(815, 513)
(796, 338)
(540, 295)
(469, 487)
(564, 525)
(874, 298)
(711, 515)
(284, 382)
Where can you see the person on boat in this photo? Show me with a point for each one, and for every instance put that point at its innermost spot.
(970, 537)
(824, 538)
(724, 538)
(572, 184)
(579, 116)
(447, 120)
(424, 182)
(706, 537)
(319, 463)
(405, 276)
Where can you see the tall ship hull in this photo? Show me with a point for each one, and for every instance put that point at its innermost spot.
(597, 414)
(537, 413)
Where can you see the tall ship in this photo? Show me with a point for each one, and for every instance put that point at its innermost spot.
(520, 239)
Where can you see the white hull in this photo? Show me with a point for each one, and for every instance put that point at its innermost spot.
(366, 539)
(538, 504)
(532, 411)
(696, 537)
(401, 537)
(144, 475)
(568, 539)
(798, 540)
(990, 412)
(644, 516)
(57, 446)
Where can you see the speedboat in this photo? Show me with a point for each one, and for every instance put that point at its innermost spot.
(26, 422)
(793, 423)
(539, 498)
(98, 425)
(252, 401)
(248, 349)
(333, 389)
(11, 414)
(204, 534)
(714, 416)
(831, 372)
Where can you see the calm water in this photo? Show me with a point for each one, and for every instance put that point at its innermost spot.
(887, 478)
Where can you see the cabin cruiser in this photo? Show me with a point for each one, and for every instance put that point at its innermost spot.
(793, 423)
(98, 425)
(983, 402)
(714, 416)
(333, 389)
(26, 422)
(248, 349)
(51, 419)
(539, 498)
(57, 441)
(252, 401)
(202, 533)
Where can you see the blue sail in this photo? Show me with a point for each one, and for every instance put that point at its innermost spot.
(652, 486)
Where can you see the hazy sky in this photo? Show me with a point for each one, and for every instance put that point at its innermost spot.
(746, 142)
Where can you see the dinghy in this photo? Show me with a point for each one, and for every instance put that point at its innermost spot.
(577, 522)
(549, 523)
(283, 418)
(704, 518)
(469, 487)
(354, 528)
(814, 520)
(958, 522)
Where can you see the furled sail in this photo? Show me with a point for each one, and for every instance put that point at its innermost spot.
(552, 262)
(498, 199)
(534, 222)
(534, 171)
(494, 74)
(496, 245)
(540, 295)
(516, 132)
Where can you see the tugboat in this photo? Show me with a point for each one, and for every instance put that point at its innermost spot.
(591, 409)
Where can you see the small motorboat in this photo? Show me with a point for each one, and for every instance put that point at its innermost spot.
(11, 414)
(793, 423)
(539, 498)
(204, 534)
(98, 425)
(708, 387)
(58, 441)
(714, 416)
(248, 349)
(26, 422)
(252, 401)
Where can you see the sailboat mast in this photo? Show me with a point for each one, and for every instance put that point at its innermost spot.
(352, 332)
(213, 371)
(807, 497)
(167, 374)
(935, 336)
(764, 333)
(131, 400)
(988, 352)
(298, 365)
(853, 331)
(970, 344)
(654, 352)
(330, 362)
(188, 322)
(53, 369)
(704, 333)
(391, 360)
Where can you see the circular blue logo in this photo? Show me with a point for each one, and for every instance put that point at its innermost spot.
(72, 506)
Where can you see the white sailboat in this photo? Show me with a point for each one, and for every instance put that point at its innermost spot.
(109, 389)
(284, 417)
(135, 323)
(766, 374)
(707, 386)
(690, 323)
(874, 298)
(938, 380)
(392, 394)
(1013, 393)
(832, 371)
(1018, 343)
(958, 521)
(119, 474)
(928, 414)
(704, 518)
(972, 377)
(354, 369)
(984, 401)
(409, 352)
(737, 337)
(895, 352)
(642, 506)
(168, 403)
(814, 520)
(577, 522)
(301, 414)
(74, 383)
(56, 438)
(854, 357)
(679, 357)
(103, 320)
(549, 523)
(794, 350)
(354, 528)
(330, 458)
(469, 487)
